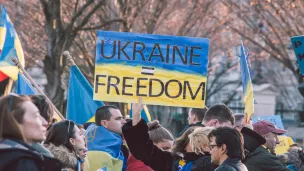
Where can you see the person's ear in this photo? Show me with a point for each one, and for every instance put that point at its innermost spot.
(224, 149)
(194, 118)
(104, 123)
(214, 123)
(72, 141)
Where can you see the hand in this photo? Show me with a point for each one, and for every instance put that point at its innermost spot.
(136, 111)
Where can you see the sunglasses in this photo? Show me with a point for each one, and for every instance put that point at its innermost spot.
(70, 125)
(11, 97)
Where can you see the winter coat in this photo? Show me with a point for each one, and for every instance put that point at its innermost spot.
(232, 165)
(65, 156)
(293, 157)
(261, 160)
(15, 155)
(42, 150)
(142, 148)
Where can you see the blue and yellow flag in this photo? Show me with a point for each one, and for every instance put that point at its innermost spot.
(104, 149)
(247, 85)
(145, 114)
(81, 107)
(10, 46)
(24, 87)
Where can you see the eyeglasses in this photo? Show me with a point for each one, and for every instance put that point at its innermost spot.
(211, 146)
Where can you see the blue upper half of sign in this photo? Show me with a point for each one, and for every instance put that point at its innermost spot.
(298, 47)
(174, 53)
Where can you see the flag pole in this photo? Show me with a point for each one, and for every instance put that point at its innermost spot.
(8, 87)
(67, 55)
(36, 86)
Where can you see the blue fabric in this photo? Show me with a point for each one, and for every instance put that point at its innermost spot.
(291, 167)
(101, 139)
(187, 167)
(81, 107)
(24, 87)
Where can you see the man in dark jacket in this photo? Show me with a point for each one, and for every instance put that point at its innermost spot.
(261, 159)
(226, 146)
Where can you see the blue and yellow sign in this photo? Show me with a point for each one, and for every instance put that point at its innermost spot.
(163, 70)
(298, 47)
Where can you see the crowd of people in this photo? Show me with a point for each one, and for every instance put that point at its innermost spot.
(215, 140)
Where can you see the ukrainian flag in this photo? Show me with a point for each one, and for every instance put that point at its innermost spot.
(104, 149)
(10, 46)
(145, 114)
(81, 107)
(247, 85)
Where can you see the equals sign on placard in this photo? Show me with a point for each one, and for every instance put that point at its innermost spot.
(147, 70)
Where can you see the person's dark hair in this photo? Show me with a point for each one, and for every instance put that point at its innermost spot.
(45, 108)
(182, 142)
(221, 112)
(60, 133)
(158, 133)
(86, 125)
(199, 113)
(238, 117)
(233, 140)
(11, 114)
(103, 113)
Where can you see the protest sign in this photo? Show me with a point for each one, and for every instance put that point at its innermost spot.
(285, 143)
(163, 70)
(298, 47)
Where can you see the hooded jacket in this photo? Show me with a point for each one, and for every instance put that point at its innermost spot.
(67, 158)
(142, 148)
(18, 156)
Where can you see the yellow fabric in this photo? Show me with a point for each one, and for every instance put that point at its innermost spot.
(2, 37)
(285, 143)
(99, 160)
(249, 102)
(92, 119)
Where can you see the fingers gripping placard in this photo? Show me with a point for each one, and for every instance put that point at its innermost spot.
(163, 70)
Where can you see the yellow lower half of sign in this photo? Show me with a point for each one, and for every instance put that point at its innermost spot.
(285, 143)
(122, 83)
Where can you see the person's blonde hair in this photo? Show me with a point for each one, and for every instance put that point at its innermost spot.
(198, 139)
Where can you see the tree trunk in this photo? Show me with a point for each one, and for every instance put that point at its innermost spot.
(55, 44)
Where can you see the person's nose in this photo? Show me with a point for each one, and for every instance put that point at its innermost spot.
(277, 140)
(44, 122)
(123, 121)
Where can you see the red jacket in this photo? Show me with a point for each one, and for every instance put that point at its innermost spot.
(136, 165)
